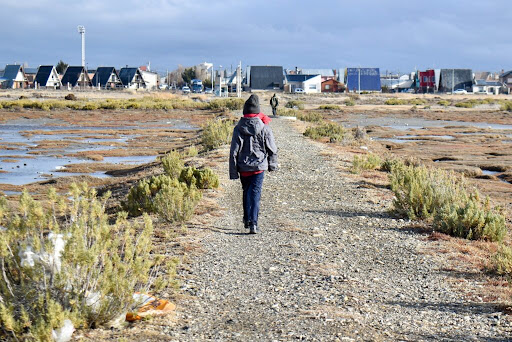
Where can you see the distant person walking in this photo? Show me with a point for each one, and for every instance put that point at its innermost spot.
(274, 102)
(253, 151)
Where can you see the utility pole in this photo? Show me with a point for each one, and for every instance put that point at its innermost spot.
(81, 30)
(239, 80)
(359, 81)
(453, 79)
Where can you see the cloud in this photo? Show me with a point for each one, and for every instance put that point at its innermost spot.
(391, 35)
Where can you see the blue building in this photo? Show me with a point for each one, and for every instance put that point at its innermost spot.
(363, 79)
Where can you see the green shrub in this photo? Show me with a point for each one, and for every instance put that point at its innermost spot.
(442, 197)
(466, 104)
(329, 107)
(471, 219)
(172, 164)
(421, 191)
(369, 161)
(67, 261)
(287, 112)
(230, 104)
(394, 102)
(295, 104)
(202, 178)
(389, 163)
(216, 133)
(350, 103)
(444, 103)
(507, 106)
(176, 202)
(89, 106)
(310, 117)
(191, 151)
(501, 262)
(333, 131)
(141, 197)
(417, 102)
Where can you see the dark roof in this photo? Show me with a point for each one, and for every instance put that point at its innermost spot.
(72, 75)
(127, 74)
(102, 75)
(264, 77)
(299, 78)
(369, 77)
(43, 74)
(460, 78)
(30, 71)
(11, 71)
(506, 73)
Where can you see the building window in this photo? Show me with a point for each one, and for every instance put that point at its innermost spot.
(312, 86)
(327, 87)
(425, 79)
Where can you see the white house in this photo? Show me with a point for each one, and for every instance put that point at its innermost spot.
(487, 87)
(309, 83)
(47, 77)
(151, 79)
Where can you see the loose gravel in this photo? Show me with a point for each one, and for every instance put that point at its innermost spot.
(330, 264)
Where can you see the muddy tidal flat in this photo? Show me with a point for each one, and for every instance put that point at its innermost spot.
(58, 147)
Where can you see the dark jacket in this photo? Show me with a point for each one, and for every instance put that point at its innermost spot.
(274, 102)
(253, 148)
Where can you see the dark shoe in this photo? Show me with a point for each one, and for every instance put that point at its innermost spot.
(247, 224)
(253, 229)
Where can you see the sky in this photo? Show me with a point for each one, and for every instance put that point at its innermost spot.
(392, 35)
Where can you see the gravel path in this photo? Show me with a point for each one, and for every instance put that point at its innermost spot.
(329, 265)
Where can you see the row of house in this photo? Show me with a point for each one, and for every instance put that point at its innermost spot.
(371, 80)
(313, 80)
(16, 76)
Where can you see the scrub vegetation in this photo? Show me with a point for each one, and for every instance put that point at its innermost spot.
(66, 261)
(443, 198)
(145, 103)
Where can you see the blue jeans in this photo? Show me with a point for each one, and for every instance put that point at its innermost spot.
(251, 186)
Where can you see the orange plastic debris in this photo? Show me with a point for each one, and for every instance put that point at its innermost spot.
(151, 306)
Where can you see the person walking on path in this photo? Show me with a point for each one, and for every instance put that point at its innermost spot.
(274, 102)
(253, 151)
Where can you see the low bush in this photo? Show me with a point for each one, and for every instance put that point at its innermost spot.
(507, 106)
(466, 104)
(501, 262)
(417, 102)
(70, 97)
(394, 102)
(175, 202)
(335, 132)
(421, 191)
(389, 163)
(368, 161)
(149, 195)
(216, 133)
(287, 112)
(230, 104)
(67, 262)
(471, 219)
(172, 164)
(444, 103)
(295, 104)
(202, 178)
(442, 197)
(191, 151)
(329, 107)
(310, 117)
(350, 103)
